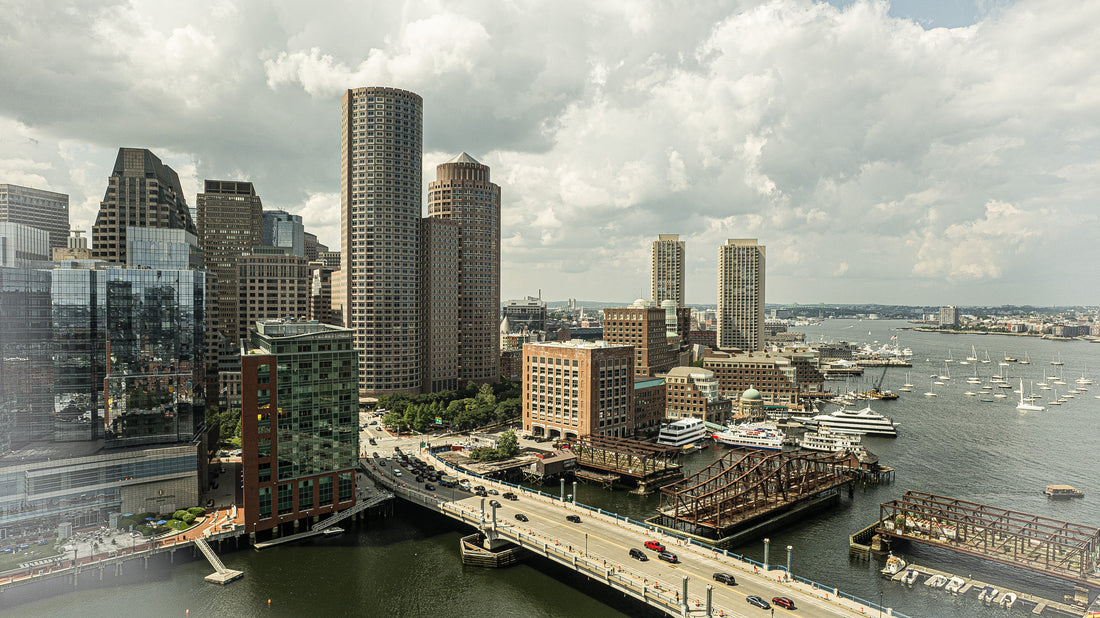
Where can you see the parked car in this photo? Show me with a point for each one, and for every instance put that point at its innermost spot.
(521, 517)
(668, 556)
(783, 602)
(757, 601)
(725, 578)
(573, 518)
(654, 545)
(638, 554)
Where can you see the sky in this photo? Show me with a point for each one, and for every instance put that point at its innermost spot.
(916, 152)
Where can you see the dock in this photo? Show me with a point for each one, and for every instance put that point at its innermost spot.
(1039, 605)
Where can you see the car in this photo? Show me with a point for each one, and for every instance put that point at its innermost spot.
(638, 554)
(419, 479)
(668, 556)
(757, 601)
(494, 504)
(493, 492)
(521, 517)
(725, 578)
(654, 545)
(397, 473)
(373, 442)
(573, 518)
(509, 496)
(429, 487)
(783, 602)
(382, 462)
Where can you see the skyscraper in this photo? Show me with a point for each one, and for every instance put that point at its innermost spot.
(741, 294)
(230, 224)
(462, 193)
(440, 301)
(43, 210)
(141, 192)
(282, 229)
(380, 160)
(667, 269)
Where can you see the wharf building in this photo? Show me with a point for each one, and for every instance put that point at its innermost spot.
(300, 434)
(741, 295)
(104, 386)
(381, 150)
(141, 192)
(667, 269)
(695, 393)
(578, 388)
(645, 330)
(774, 376)
(529, 313)
(43, 210)
(282, 229)
(464, 194)
(650, 400)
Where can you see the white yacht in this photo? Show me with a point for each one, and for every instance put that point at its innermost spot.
(865, 421)
(830, 441)
(764, 436)
(1024, 406)
(682, 432)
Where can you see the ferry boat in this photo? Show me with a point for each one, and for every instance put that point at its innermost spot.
(830, 442)
(1063, 491)
(865, 421)
(682, 432)
(764, 436)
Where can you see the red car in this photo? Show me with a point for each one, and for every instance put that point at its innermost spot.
(654, 545)
(783, 602)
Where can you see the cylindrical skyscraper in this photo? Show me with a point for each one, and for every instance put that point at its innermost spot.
(380, 158)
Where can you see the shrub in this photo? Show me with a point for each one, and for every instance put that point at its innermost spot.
(197, 511)
(188, 518)
(178, 514)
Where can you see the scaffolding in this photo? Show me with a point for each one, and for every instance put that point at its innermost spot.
(1040, 544)
(745, 485)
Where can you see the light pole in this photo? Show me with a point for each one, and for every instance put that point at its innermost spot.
(789, 548)
(767, 542)
(585, 544)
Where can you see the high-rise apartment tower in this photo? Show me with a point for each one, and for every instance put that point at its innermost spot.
(462, 193)
(230, 217)
(741, 294)
(141, 192)
(667, 269)
(380, 160)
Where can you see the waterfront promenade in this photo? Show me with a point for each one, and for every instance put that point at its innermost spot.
(598, 547)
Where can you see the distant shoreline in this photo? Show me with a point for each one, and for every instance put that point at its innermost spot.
(989, 332)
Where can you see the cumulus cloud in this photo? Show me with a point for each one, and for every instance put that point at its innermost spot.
(881, 156)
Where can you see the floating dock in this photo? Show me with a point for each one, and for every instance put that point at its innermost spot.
(1039, 606)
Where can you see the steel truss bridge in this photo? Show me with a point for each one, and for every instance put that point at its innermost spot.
(1040, 544)
(747, 484)
(629, 458)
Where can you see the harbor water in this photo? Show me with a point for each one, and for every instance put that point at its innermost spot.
(950, 445)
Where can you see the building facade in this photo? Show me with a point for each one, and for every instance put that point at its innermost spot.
(141, 192)
(577, 388)
(43, 210)
(464, 194)
(272, 283)
(643, 328)
(741, 295)
(666, 268)
(300, 434)
(529, 313)
(381, 149)
(282, 229)
(694, 393)
(774, 376)
(22, 245)
(440, 242)
(230, 224)
(949, 316)
(649, 405)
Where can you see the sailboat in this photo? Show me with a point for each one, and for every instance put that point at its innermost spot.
(946, 372)
(973, 354)
(1057, 359)
(974, 379)
(1027, 359)
(1084, 380)
(907, 387)
(1054, 400)
(931, 391)
(1024, 406)
(986, 361)
(1009, 359)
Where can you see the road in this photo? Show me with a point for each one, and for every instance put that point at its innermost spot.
(606, 539)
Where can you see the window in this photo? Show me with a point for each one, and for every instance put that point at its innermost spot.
(265, 502)
(286, 499)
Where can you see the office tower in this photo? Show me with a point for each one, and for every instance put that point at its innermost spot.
(26, 354)
(22, 245)
(440, 303)
(644, 329)
(380, 179)
(43, 210)
(330, 259)
(272, 283)
(462, 193)
(300, 434)
(282, 229)
(666, 268)
(141, 192)
(313, 248)
(576, 388)
(741, 294)
(529, 313)
(320, 295)
(230, 224)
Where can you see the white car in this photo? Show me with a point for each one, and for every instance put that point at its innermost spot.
(397, 473)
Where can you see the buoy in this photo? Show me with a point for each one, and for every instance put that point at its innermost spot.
(269, 602)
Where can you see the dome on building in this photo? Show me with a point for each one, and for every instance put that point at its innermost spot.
(751, 394)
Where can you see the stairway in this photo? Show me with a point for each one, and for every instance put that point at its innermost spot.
(366, 504)
(210, 555)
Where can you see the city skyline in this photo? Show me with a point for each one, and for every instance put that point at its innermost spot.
(951, 165)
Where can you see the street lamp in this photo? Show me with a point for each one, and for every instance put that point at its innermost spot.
(767, 542)
(585, 544)
(789, 548)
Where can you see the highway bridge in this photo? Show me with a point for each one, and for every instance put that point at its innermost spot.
(598, 546)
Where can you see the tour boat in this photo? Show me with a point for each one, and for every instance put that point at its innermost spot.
(830, 441)
(765, 436)
(865, 421)
(682, 432)
(1063, 491)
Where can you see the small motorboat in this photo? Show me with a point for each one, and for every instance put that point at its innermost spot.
(910, 577)
(1007, 600)
(987, 594)
(333, 531)
(936, 581)
(894, 565)
(954, 584)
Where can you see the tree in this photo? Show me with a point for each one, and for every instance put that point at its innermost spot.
(508, 444)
